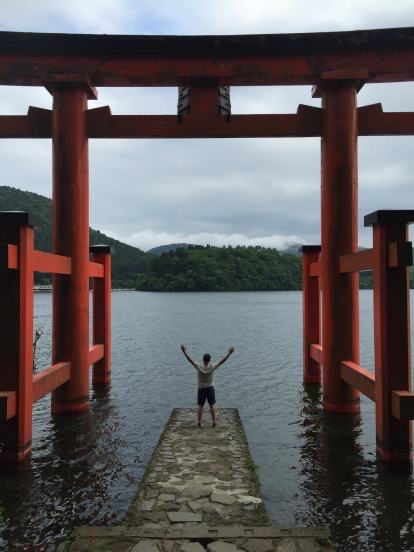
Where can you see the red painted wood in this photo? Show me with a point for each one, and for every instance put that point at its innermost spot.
(47, 380)
(70, 227)
(9, 256)
(315, 269)
(96, 352)
(392, 344)
(402, 405)
(311, 318)
(16, 345)
(372, 121)
(8, 405)
(356, 262)
(204, 99)
(35, 125)
(101, 371)
(389, 65)
(96, 270)
(360, 378)
(306, 122)
(315, 352)
(400, 254)
(47, 262)
(339, 229)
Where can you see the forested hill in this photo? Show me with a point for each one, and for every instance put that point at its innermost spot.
(208, 268)
(127, 263)
(166, 248)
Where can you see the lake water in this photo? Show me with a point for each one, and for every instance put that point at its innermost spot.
(315, 467)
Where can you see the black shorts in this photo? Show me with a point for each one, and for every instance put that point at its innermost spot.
(206, 393)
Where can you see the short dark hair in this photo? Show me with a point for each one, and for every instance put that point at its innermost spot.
(206, 358)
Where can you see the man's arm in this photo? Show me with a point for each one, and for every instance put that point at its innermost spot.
(223, 360)
(187, 356)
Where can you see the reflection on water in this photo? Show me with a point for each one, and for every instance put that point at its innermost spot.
(366, 506)
(315, 467)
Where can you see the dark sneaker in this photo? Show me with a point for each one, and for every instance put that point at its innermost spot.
(199, 425)
(214, 425)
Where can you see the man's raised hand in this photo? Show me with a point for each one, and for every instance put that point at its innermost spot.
(183, 348)
(231, 350)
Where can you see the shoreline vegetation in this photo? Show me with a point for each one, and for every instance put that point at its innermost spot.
(208, 268)
(179, 267)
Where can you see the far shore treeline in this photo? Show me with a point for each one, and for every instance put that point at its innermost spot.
(240, 268)
(188, 268)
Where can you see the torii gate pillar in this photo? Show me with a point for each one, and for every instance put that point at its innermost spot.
(70, 223)
(339, 236)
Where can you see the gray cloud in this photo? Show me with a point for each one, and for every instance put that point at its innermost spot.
(211, 191)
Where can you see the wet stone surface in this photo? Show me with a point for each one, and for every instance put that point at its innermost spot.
(196, 480)
(199, 463)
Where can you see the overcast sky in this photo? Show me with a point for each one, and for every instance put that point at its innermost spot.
(260, 192)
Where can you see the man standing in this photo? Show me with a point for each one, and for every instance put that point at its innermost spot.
(206, 382)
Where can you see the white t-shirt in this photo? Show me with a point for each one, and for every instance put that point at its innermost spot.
(205, 374)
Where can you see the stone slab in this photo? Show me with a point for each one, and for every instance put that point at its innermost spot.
(145, 546)
(223, 498)
(219, 546)
(258, 545)
(184, 517)
(191, 547)
(166, 497)
(145, 505)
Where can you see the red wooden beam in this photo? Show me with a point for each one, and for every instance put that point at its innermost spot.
(47, 380)
(96, 270)
(311, 313)
(8, 405)
(36, 124)
(315, 269)
(315, 352)
(372, 121)
(48, 262)
(228, 64)
(359, 378)
(9, 256)
(95, 353)
(356, 262)
(402, 405)
(400, 254)
(43, 262)
(307, 122)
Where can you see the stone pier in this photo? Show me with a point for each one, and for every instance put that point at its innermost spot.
(200, 491)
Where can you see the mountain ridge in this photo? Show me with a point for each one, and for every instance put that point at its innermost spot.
(127, 262)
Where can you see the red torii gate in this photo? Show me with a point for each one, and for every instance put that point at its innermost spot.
(337, 65)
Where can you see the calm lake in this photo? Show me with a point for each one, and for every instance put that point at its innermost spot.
(315, 467)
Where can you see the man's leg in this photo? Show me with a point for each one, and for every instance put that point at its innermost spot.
(200, 412)
(213, 413)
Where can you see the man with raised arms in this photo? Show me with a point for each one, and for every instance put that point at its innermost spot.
(206, 382)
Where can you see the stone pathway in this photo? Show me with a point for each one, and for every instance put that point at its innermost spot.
(199, 483)
(200, 475)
